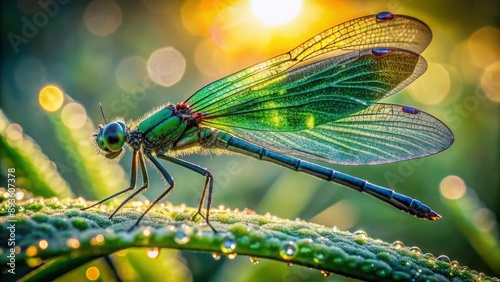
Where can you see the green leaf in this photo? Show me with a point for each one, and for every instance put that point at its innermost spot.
(56, 232)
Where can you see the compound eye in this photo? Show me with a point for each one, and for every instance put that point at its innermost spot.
(100, 143)
(113, 136)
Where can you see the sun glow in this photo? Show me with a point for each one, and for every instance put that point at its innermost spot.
(276, 12)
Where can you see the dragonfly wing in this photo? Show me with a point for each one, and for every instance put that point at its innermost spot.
(382, 30)
(381, 133)
(318, 93)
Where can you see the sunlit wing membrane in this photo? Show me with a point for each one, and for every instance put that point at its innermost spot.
(381, 133)
(316, 94)
(363, 33)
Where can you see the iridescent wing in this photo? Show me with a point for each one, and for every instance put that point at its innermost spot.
(326, 110)
(381, 133)
(381, 30)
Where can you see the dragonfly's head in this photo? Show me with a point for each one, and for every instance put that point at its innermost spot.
(110, 138)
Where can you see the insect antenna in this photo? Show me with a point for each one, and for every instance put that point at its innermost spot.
(102, 112)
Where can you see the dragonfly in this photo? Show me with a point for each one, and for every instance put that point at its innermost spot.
(317, 101)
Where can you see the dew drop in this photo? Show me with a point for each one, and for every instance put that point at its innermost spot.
(288, 250)
(361, 234)
(404, 262)
(255, 245)
(232, 256)
(380, 51)
(319, 256)
(455, 264)
(398, 245)
(429, 256)
(216, 256)
(415, 250)
(228, 244)
(153, 252)
(181, 237)
(255, 260)
(289, 264)
(384, 16)
(410, 110)
(325, 273)
(443, 258)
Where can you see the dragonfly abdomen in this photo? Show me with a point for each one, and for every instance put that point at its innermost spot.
(400, 201)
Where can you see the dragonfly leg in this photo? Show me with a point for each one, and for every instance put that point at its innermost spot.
(133, 177)
(209, 183)
(145, 184)
(167, 177)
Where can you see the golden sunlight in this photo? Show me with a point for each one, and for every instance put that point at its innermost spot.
(276, 12)
(51, 98)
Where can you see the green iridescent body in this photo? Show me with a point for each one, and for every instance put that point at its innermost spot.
(318, 101)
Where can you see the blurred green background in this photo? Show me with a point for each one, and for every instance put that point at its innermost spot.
(135, 56)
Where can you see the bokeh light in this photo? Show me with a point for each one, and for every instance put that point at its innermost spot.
(131, 72)
(276, 12)
(490, 81)
(51, 98)
(92, 273)
(437, 76)
(14, 133)
(73, 243)
(483, 46)
(452, 187)
(74, 115)
(197, 16)
(102, 17)
(43, 244)
(166, 66)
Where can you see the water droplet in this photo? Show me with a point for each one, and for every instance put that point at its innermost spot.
(288, 250)
(319, 256)
(255, 245)
(429, 256)
(255, 260)
(404, 262)
(443, 258)
(410, 110)
(382, 272)
(416, 250)
(384, 16)
(231, 256)
(455, 264)
(216, 256)
(398, 245)
(228, 244)
(361, 234)
(181, 237)
(146, 232)
(325, 273)
(380, 51)
(289, 264)
(153, 252)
